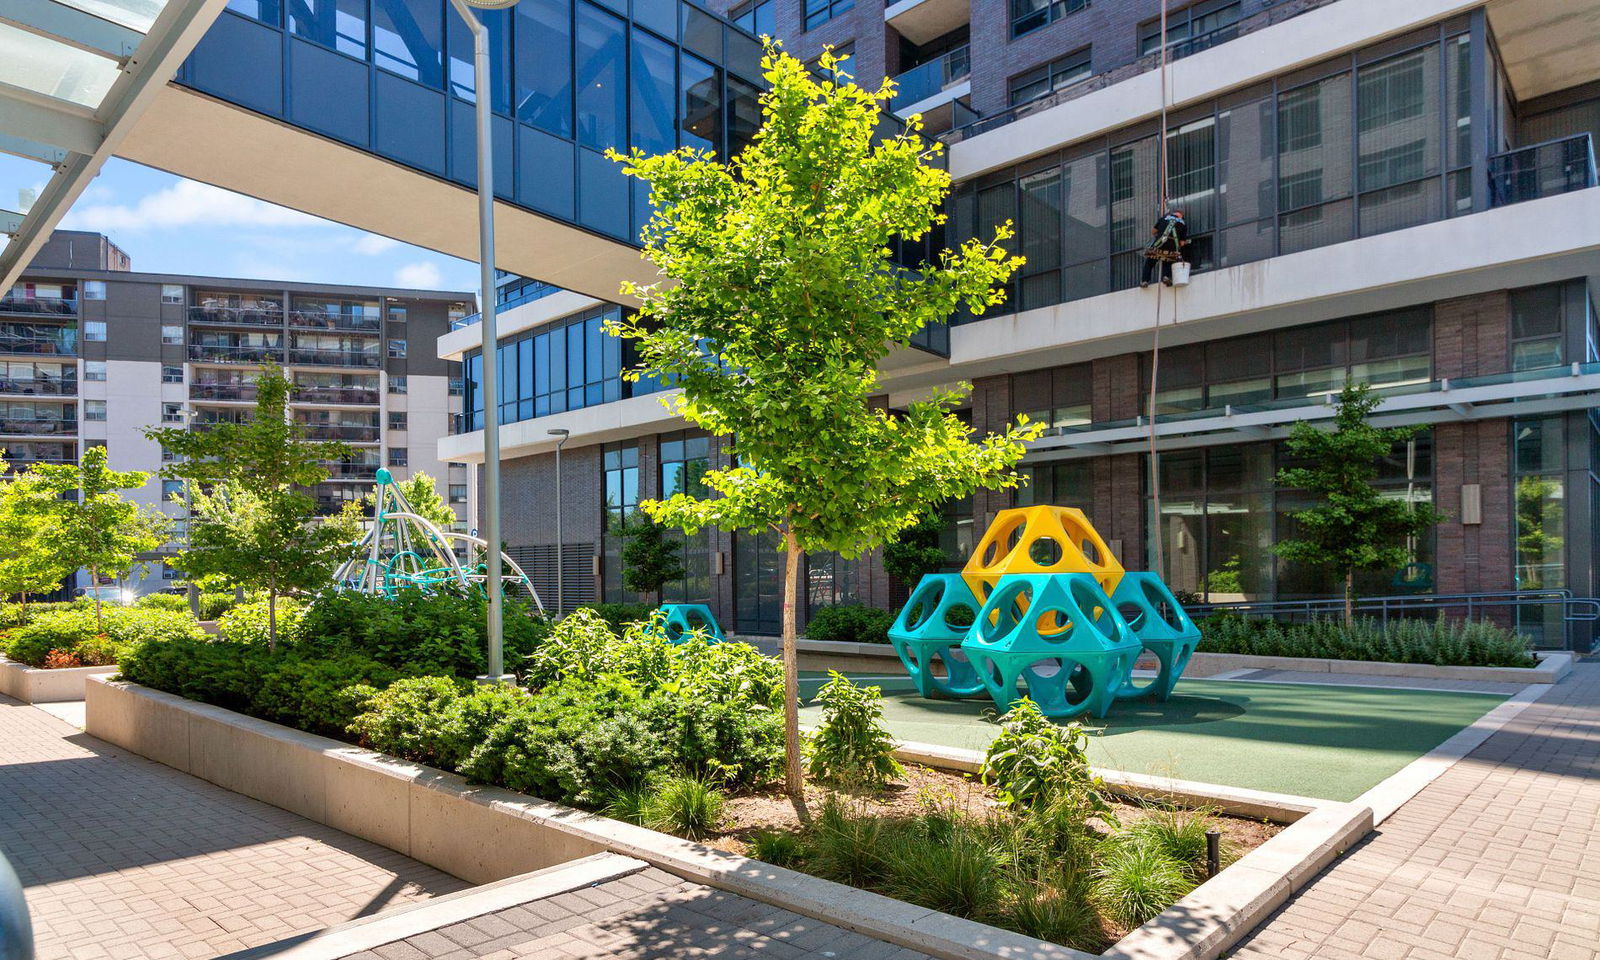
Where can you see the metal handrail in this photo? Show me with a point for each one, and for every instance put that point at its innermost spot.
(1542, 170)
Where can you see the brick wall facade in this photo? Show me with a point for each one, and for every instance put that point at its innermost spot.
(1471, 335)
(1473, 558)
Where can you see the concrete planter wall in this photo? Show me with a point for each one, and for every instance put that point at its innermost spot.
(33, 685)
(483, 834)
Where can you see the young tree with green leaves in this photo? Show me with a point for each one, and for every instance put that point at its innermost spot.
(422, 493)
(1355, 526)
(783, 297)
(650, 559)
(90, 523)
(29, 559)
(253, 524)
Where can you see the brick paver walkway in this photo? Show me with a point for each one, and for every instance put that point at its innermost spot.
(1498, 859)
(123, 857)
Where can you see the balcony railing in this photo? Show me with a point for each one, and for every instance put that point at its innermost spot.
(237, 316)
(321, 320)
(39, 306)
(336, 358)
(1542, 170)
(222, 391)
(348, 432)
(206, 426)
(223, 354)
(921, 82)
(529, 293)
(365, 395)
(350, 471)
(40, 386)
(15, 463)
(47, 346)
(37, 426)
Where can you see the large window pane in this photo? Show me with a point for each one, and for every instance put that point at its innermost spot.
(1083, 189)
(654, 90)
(1244, 162)
(1314, 143)
(1192, 173)
(1040, 239)
(340, 24)
(463, 72)
(702, 104)
(408, 39)
(744, 114)
(544, 64)
(602, 91)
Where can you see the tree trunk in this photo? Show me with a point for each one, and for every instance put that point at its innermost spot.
(793, 777)
(94, 584)
(1349, 598)
(272, 615)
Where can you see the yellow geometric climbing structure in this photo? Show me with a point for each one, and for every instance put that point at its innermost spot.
(1042, 539)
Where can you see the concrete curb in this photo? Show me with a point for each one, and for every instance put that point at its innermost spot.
(35, 685)
(485, 834)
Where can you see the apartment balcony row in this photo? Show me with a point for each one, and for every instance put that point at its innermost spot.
(339, 470)
(934, 83)
(227, 391)
(237, 316)
(62, 346)
(38, 426)
(220, 353)
(362, 396)
(205, 353)
(39, 386)
(49, 307)
(344, 432)
(343, 322)
(371, 359)
(16, 464)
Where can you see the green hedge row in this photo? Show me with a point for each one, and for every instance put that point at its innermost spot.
(76, 637)
(1441, 642)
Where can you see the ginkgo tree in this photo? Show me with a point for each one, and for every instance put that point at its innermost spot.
(779, 296)
(30, 561)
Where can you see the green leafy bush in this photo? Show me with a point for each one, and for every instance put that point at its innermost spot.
(851, 746)
(214, 604)
(619, 616)
(321, 696)
(1036, 764)
(850, 623)
(1442, 642)
(13, 615)
(163, 601)
(441, 632)
(225, 674)
(407, 718)
(686, 804)
(247, 622)
(76, 631)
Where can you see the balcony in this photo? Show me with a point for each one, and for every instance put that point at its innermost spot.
(236, 316)
(206, 426)
(38, 427)
(346, 432)
(40, 346)
(322, 320)
(15, 463)
(338, 470)
(224, 354)
(222, 391)
(38, 306)
(1542, 170)
(933, 83)
(360, 395)
(336, 358)
(39, 386)
(527, 293)
(922, 20)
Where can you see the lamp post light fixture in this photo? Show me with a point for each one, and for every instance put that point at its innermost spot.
(490, 351)
(561, 601)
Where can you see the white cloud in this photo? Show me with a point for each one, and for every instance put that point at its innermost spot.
(372, 244)
(422, 274)
(186, 203)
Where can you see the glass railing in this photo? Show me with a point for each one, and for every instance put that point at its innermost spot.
(336, 358)
(237, 316)
(222, 391)
(349, 471)
(921, 82)
(206, 426)
(1542, 170)
(16, 464)
(39, 386)
(348, 432)
(63, 346)
(39, 306)
(933, 338)
(335, 395)
(226, 354)
(322, 320)
(527, 294)
(37, 426)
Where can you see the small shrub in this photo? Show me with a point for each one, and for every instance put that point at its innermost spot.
(620, 616)
(320, 696)
(688, 805)
(1178, 834)
(163, 601)
(214, 604)
(224, 674)
(851, 746)
(247, 622)
(1135, 881)
(406, 718)
(958, 869)
(777, 847)
(61, 660)
(443, 632)
(1055, 906)
(77, 631)
(850, 623)
(1035, 764)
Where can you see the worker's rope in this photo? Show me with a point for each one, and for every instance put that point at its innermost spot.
(1155, 346)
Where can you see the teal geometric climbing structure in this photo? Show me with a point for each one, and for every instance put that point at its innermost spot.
(1161, 625)
(1059, 635)
(679, 621)
(929, 631)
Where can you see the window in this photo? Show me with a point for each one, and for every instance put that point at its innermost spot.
(397, 349)
(94, 410)
(603, 99)
(407, 39)
(172, 293)
(1539, 496)
(172, 333)
(1536, 327)
(1193, 28)
(396, 313)
(94, 330)
(167, 456)
(457, 386)
(340, 24)
(171, 490)
(397, 385)
(701, 106)
(620, 477)
(760, 18)
(819, 12)
(458, 493)
(171, 374)
(172, 413)
(94, 289)
(1030, 15)
(543, 38)
(1047, 79)
(168, 573)
(567, 366)
(397, 420)
(94, 370)
(398, 457)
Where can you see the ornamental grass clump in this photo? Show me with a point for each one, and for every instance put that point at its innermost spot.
(1442, 641)
(851, 747)
(1134, 880)
(686, 804)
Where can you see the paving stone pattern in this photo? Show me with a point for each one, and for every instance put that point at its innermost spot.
(650, 914)
(124, 857)
(1498, 859)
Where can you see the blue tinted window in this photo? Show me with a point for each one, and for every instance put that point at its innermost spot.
(600, 81)
(544, 64)
(340, 24)
(267, 11)
(702, 104)
(654, 94)
(408, 39)
(463, 71)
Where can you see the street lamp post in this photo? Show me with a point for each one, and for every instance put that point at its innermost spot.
(561, 574)
(490, 353)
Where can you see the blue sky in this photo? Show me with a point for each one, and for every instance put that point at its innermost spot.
(171, 225)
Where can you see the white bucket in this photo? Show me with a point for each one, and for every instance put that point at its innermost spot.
(1180, 274)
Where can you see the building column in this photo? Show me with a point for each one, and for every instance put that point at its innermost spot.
(1473, 557)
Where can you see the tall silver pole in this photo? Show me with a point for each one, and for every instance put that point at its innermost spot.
(561, 573)
(491, 396)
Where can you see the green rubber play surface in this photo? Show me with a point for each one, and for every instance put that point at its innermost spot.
(1313, 740)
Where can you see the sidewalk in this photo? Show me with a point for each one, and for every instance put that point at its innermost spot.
(1498, 859)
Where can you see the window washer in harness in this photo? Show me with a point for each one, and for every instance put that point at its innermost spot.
(1167, 239)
